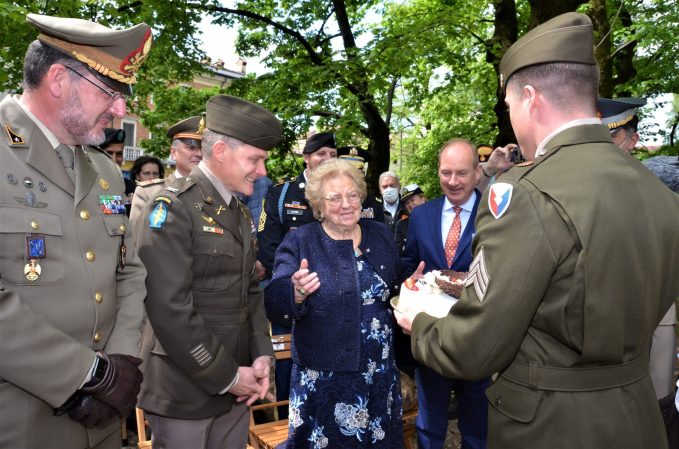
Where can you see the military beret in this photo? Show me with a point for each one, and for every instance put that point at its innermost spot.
(190, 128)
(618, 112)
(243, 120)
(113, 136)
(114, 56)
(410, 191)
(565, 38)
(358, 156)
(318, 141)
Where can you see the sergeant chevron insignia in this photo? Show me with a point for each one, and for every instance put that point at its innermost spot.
(478, 275)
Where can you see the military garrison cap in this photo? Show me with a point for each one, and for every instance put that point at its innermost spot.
(243, 120)
(190, 128)
(358, 156)
(318, 141)
(618, 112)
(113, 56)
(565, 38)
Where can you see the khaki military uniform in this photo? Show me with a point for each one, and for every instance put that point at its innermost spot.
(565, 291)
(143, 195)
(83, 299)
(204, 301)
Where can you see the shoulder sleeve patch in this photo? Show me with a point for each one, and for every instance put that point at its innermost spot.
(499, 197)
(163, 199)
(158, 215)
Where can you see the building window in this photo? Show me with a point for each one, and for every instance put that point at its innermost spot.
(130, 133)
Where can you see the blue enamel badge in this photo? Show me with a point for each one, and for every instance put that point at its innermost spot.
(499, 197)
(158, 216)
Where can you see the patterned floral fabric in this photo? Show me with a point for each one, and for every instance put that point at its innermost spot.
(333, 409)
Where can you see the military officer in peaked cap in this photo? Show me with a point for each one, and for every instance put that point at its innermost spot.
(620, 116)
(212, 351)
(568, 281)
(185, 150)
(71, 284)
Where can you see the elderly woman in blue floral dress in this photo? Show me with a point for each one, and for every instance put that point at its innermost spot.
(334, 277)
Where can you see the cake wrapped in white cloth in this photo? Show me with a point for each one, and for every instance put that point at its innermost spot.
(436, 292)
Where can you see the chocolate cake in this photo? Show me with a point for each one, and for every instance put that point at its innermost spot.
(451, 282)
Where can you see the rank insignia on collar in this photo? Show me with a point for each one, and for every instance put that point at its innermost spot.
(14, 138)
(499, 197)
(158, 216)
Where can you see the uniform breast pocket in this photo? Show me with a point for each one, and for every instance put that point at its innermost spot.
(31, 247)
(213, 259)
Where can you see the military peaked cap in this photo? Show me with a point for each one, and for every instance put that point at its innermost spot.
(113, 56)
(190, 128)
(410, 191)
(358, 156)
(618, 112)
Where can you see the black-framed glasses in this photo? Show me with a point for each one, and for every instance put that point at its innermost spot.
(112, 95)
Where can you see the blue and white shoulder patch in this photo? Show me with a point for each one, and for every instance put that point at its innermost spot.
(158, 215)
(499, 197)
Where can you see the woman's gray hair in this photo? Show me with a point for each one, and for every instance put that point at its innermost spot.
(210, 138)
(333, 168)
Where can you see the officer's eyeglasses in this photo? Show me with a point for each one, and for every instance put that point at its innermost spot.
(353, 198)
(112, 96)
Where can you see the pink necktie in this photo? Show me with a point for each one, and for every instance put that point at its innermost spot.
(453, 236)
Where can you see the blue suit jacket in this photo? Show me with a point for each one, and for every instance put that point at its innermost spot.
(424, 239)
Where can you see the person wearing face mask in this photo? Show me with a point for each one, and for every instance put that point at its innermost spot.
(620, 115)
(390, 185)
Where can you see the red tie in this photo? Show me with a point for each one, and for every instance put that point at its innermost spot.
(453, 236)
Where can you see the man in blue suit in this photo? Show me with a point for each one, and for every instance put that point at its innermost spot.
(440, 235)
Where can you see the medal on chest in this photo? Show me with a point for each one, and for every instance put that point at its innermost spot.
(35, 250)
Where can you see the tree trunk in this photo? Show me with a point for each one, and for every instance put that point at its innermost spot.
(602, 46)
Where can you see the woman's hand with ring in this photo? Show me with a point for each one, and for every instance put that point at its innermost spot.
(303, 282)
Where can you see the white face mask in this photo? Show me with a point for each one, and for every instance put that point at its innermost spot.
(390, 195)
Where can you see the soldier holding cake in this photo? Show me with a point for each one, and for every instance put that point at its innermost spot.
(570, 336)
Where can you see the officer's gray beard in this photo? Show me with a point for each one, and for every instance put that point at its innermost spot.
(75, 124)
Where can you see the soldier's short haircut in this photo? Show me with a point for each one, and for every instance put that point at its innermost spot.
(566, 84)
(39, 58)
(210, 138)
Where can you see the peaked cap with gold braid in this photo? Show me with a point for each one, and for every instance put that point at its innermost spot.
(113, 56)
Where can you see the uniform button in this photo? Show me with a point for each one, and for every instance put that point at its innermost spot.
(498, 401)
(367, 250)
(98, 297)
(35, 225)
(122, 228)
(90, 256)
(381, 267)
(84, 214)
(97, 337)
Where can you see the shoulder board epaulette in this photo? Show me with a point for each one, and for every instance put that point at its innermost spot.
(150, 182)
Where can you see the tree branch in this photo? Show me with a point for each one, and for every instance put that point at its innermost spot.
(390, 100)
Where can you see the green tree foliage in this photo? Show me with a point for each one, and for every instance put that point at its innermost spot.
(399, 78)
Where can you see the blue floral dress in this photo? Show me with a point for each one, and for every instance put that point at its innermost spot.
(359, 409)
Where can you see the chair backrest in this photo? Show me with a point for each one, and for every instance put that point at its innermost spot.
(281, 346)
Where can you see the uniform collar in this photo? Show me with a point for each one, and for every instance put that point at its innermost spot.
(218, 185)
(573, 123)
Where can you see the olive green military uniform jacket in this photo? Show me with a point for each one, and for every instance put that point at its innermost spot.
(82, 301)
(204, 302)
(563, 296)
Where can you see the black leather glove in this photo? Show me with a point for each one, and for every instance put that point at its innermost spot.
(119, 384)
(91, 413)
